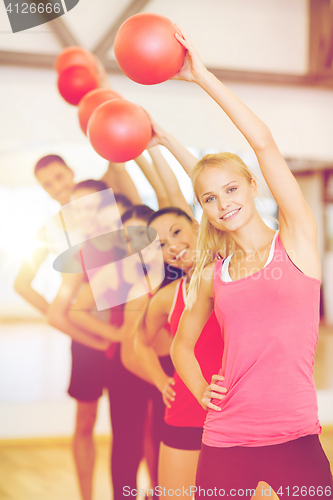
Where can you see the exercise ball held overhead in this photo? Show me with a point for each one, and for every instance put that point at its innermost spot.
(75, 82)
(146, 49)
(119, 130)
(91, 101)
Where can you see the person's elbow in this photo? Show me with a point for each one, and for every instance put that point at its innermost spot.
(20, 286)
(52, 320)
(264, 141)
(78, 318)
(54, 317)
(72, 316)
(180, 349)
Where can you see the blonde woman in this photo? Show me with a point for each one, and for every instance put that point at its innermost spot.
(262, 422)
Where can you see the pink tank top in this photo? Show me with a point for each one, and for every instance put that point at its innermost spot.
(269, 324)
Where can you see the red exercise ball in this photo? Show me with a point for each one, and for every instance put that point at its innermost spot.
(91, 101)
(75, 82)
(146, 48)
(119, 130)
(74, 56)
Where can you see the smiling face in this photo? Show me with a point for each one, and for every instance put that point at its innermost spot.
(58, 181)
(178, 237)
(226, 197)
(85, 208)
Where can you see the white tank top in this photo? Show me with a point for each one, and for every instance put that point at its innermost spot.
(225, 266)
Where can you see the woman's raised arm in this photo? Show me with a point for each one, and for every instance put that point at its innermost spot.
(117, 178)
(297, 223)
(154, 180)
(180, 152)
(169, 180)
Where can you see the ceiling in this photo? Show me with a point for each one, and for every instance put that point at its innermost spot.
(263, 41)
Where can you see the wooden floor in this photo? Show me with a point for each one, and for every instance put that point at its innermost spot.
(47, 472)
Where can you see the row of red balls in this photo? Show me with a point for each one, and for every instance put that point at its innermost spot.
(148, 53)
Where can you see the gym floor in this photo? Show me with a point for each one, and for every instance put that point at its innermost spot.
(34, 368)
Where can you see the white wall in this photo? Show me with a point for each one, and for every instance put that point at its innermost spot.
(35, 368)
(255, 35)
(35, 120)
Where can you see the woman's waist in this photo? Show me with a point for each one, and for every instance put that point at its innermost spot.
(262, 435)
(271, 393)
(253, 406)
(185, 411)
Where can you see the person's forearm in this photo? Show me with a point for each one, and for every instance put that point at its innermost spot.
(131, 362)
(188, 368)
(169, 180)
(248, 123)
(164, 170)
(117, 178)
(149, 361)
(94, 325)
(154, 180)
(61, 323)
(28, 271)
(110, 177)
(33, 297)
(180, 152)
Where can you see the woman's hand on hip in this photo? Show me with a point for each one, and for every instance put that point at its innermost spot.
(168, 394)
(213, 391)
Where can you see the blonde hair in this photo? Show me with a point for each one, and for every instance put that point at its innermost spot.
(211, 241)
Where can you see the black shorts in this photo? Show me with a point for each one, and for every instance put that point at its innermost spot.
(182, 438)
(298, 468)
(90, 368)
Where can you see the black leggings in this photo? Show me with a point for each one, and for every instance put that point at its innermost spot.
(129, 396)
(287, 467)
(159, 406)
(128, 405)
